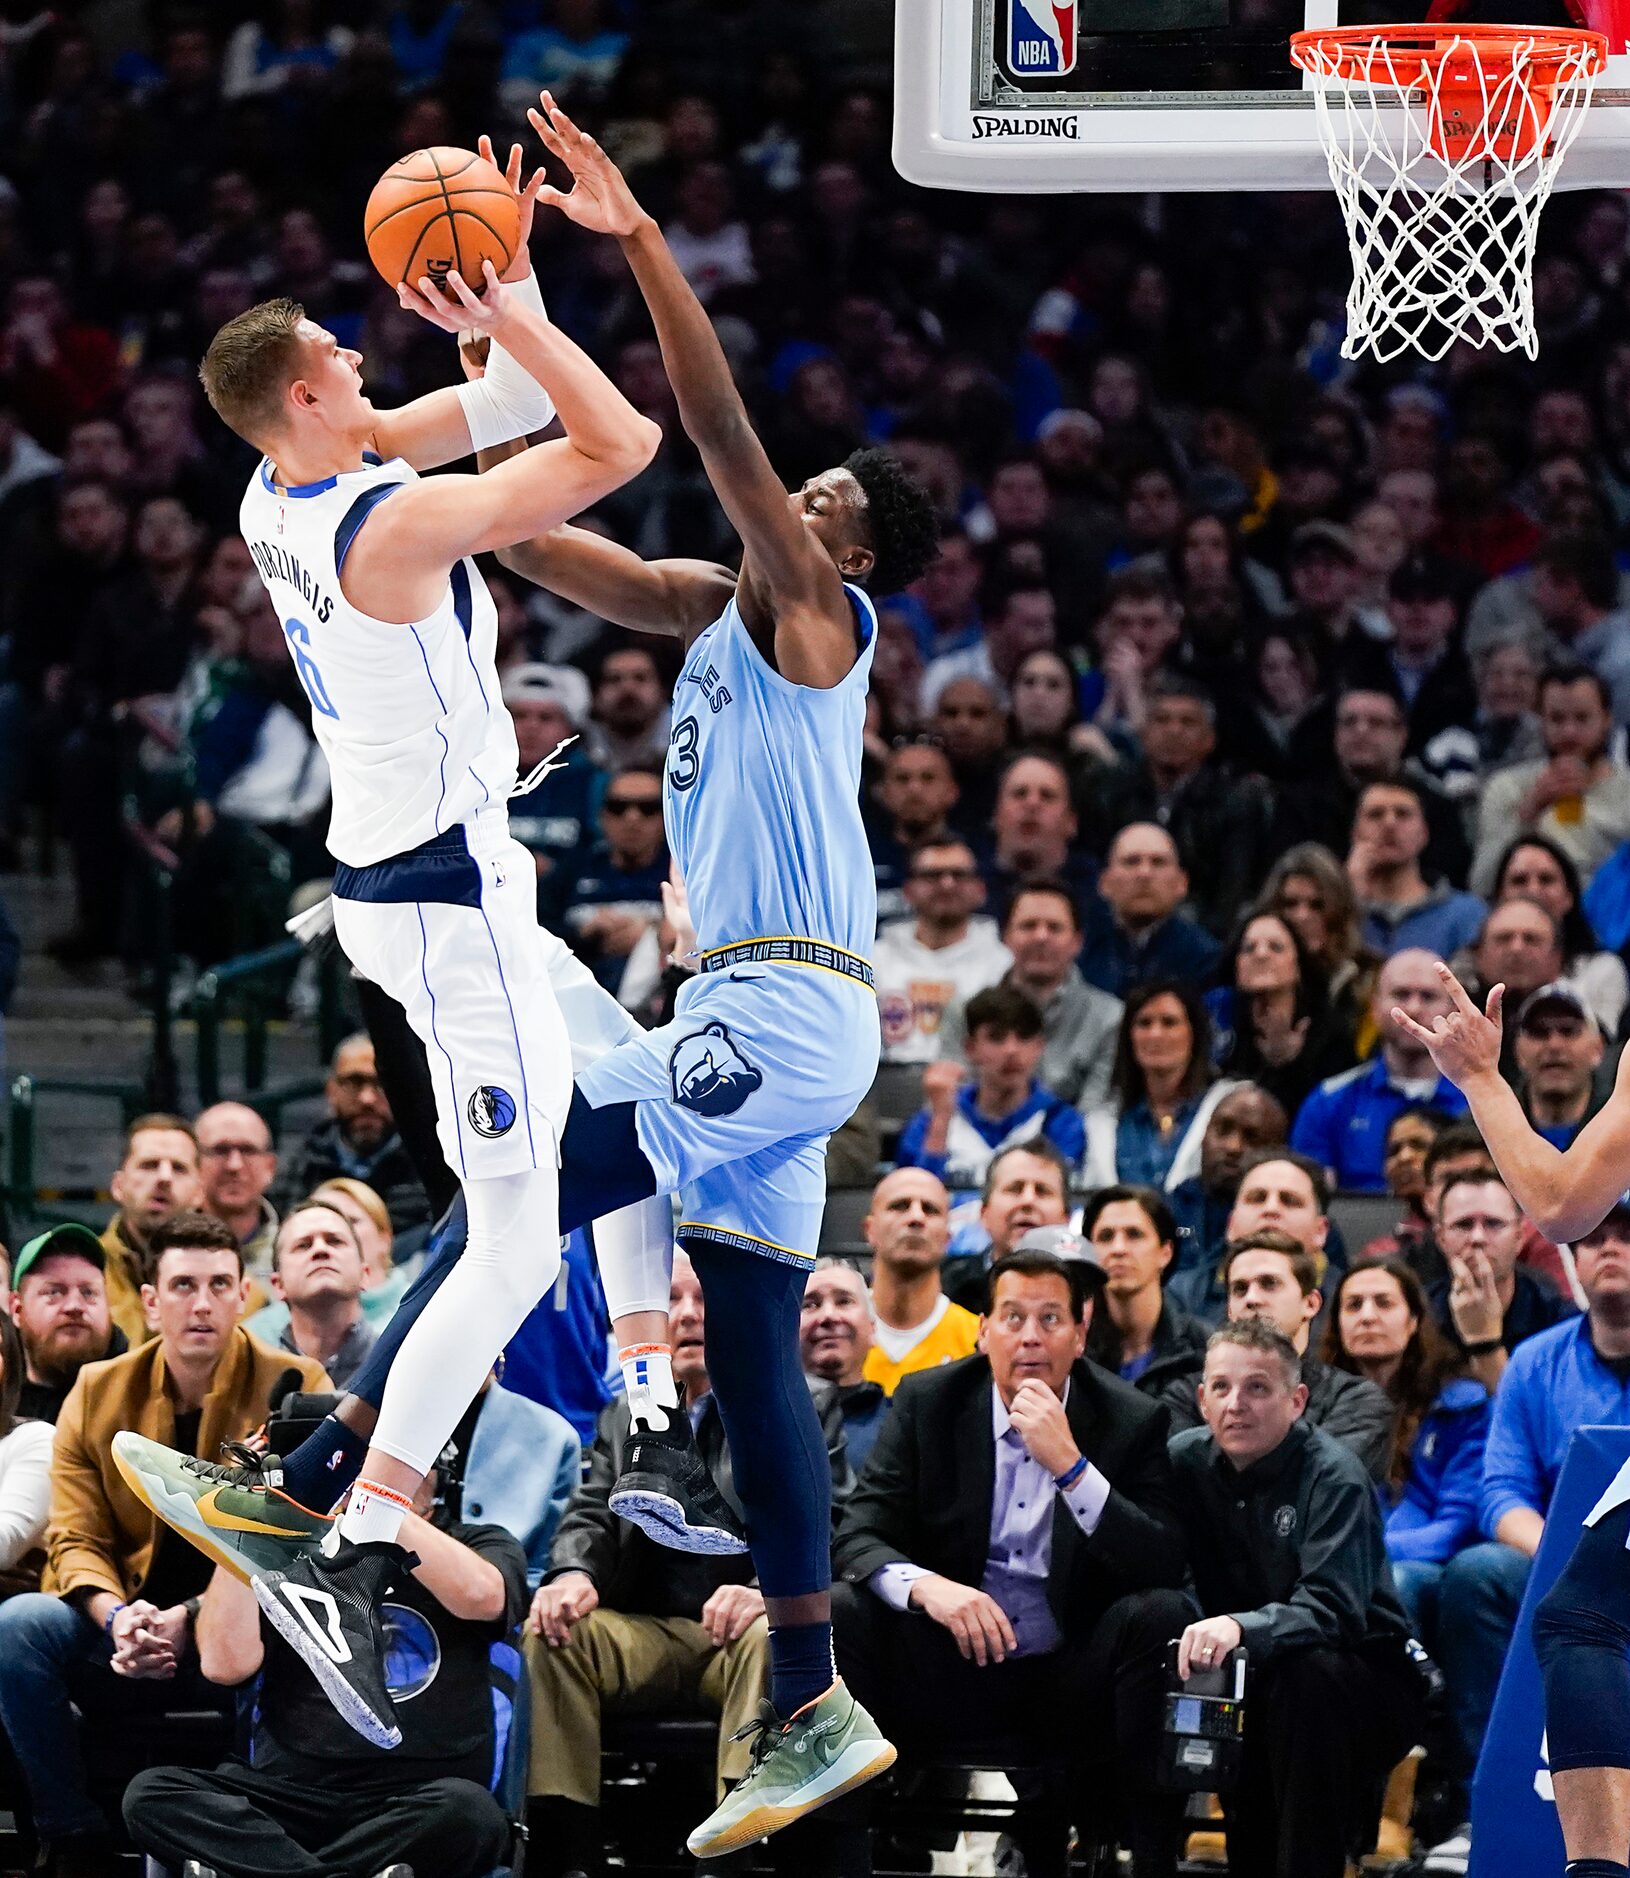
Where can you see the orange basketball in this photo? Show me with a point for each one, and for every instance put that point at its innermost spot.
(438, 210)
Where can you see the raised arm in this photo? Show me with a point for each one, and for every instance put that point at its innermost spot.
(400, 559)
(801, 587)
(443, 425)
(1564, 1191)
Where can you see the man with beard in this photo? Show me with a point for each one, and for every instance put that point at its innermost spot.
(59, 1303)
(158, 1176)
(917, 1326)
(359, 1140)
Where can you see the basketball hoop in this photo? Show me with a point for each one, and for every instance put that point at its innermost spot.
(1443, 145)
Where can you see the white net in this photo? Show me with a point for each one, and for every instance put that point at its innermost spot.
(1443, 151)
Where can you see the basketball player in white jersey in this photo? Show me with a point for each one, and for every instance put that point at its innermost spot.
(393, 632)
(1582, 1626)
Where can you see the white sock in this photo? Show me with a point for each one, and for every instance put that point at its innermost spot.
(648, 1371)
(373, 1515)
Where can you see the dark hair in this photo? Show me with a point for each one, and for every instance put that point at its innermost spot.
(1030, 754)
(1312, 994)
(1428, 1362)
(1155, 1209)
(1042, 1265)
(1304, 1266)
(929, 843)
(1180, 685)
(1318, 1177)
(1477, 1177)
(1371, 688)
(310, 1204)
(13, 1372)
(1038, 1146)
(1456, 1141)
(1044, 883)
(1567, 674)
(1256, 1333)
(901, 526)
(1005, 1009)
(1586, 560)
(1400, 785)
(1578, 935)
(1436, 1119)
(1138, 582)
(1126, 1079)
(190, 1232)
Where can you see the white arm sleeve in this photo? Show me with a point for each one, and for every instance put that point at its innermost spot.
(507, 402)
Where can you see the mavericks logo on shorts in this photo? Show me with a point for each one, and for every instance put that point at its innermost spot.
(491, 1111)
(709, 1074)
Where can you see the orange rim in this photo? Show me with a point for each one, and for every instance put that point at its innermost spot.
(1402, 56)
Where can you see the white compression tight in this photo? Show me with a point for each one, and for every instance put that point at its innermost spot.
(634, 1249)
(511, 1259)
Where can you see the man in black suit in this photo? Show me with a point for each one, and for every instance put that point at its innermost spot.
(1010, 1565)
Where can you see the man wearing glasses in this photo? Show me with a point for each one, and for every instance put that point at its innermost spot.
(1489, 1304)
(359, 1141)
(941, 956)
(237, 1163)
(616, 894)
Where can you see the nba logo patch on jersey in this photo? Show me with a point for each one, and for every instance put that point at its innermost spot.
(491, 1111)
(1041, 37)
(709, 1074)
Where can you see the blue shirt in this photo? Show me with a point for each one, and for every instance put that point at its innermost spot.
(1114, 961)
(1444, 922)
(561, 1356)
(1553, 1384)
(1143, 1154)
(1343, 1124)
(1040, 1113)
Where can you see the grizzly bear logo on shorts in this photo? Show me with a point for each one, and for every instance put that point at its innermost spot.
(709, 1074)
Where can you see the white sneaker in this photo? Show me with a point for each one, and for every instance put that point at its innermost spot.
(1451, 1858)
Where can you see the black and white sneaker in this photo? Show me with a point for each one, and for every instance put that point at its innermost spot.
(325, 1607)
(666, 1490)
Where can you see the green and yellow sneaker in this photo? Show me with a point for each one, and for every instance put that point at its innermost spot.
(828, 1748)
(231, 1511)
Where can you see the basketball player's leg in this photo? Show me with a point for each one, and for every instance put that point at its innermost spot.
(1582, 1640)
(752, 1231)
(498, 1058)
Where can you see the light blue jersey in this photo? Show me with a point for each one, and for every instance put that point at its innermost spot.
(775, 1041)
(762, 794)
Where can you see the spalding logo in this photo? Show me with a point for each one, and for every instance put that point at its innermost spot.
(709, 1075)
(491, 1111)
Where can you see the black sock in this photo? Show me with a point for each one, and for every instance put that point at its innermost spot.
(800, 1666)
(1596, 1868)
(324, 1465)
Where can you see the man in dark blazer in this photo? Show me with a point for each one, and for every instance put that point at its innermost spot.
(1011, 1563)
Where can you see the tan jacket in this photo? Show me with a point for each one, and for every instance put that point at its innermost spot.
(124, 1278)
(101, 1536)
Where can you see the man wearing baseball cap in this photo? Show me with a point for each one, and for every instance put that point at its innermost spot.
(59, 1303)
(1558, 1050)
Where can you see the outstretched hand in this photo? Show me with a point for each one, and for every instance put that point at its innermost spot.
(1464, 1042)
(600, 198)
(526, 196)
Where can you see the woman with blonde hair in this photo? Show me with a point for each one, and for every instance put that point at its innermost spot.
(382, 1282)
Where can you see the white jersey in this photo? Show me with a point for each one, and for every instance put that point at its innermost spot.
(409, 716)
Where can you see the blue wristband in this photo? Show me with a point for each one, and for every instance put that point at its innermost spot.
(107, 1622)
(1064, 1482)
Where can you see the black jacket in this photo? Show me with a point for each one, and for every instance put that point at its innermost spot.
(1350, 1409)
(1292, 1548)
(1177, 1349)
(925, 1496)
(631, 1572)
(388, 1170)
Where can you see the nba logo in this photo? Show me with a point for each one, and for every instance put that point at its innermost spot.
(1041, 37)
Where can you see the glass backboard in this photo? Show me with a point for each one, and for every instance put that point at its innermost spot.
(1076, 95)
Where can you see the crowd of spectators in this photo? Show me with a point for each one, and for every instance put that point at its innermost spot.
(1244, 685)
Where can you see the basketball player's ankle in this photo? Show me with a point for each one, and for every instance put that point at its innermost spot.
(648, 1375)
(374, 1514)
(324, 1465)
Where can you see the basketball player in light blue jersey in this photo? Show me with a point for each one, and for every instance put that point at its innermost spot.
(773, 1044)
